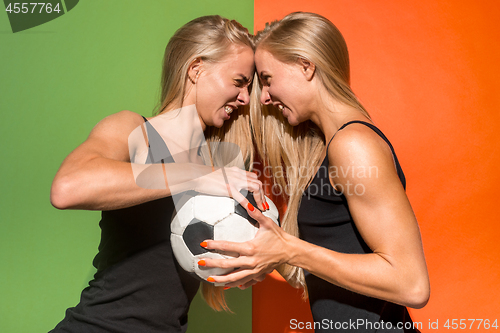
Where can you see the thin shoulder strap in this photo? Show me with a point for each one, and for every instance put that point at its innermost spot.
(373, 127)
(379, 132)
(343, 126)
(150, 155)
(157, 149)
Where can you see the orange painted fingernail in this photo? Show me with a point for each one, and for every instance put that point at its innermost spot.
(203, 244)
(250, 207)
(202, 262)
(267, 206)
(226, 288)
(210, 279)
(240, 286)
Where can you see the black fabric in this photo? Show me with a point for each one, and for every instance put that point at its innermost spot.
(324, 219)
(139, 286)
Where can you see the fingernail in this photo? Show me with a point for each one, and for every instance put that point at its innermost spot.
(250, 207)
(226, 288)
(240, 286)
(210, 279)
(202, 262)
(267, 206)
(203, 244)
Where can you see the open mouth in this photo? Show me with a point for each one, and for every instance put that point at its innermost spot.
(229, 109)
(280, 106)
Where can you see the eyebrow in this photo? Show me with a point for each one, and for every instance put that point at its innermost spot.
(244, 78)
(263, 75)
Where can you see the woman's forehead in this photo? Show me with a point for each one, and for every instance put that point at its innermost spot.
(266, 61)
(240, 59)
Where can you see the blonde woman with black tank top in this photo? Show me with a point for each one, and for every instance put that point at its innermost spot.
(122, 169)
(350, 238)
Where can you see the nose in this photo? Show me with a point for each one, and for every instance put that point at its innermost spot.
(243, 97)
(265, 97)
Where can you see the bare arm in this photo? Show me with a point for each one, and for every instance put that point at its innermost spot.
(395, 271)
(98, 174)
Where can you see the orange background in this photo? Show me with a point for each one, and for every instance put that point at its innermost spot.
(428, 72)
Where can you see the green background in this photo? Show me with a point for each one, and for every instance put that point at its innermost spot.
(57, 81)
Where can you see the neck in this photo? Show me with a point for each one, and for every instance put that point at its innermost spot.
(329, 114)
(182, 126)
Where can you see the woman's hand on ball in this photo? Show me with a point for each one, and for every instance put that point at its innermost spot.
(257, 257)
(230, 182)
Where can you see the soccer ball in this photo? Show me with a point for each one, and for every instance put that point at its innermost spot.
(202, 217)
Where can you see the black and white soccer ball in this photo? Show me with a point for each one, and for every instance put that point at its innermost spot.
(203, 217)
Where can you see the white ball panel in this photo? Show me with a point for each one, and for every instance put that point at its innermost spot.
(272, 212)
(184, 257)
(211, 209)
(183, 217)
(206, 272)
(234, 228)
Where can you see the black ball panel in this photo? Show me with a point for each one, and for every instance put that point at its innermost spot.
(196, 232)
(238, 209)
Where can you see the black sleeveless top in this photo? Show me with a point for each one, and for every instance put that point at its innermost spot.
(139, 286)
(324, 219)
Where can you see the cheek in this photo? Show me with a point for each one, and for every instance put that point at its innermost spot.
(223, 91)
(277, 92)
(208, 92)
(228, 93)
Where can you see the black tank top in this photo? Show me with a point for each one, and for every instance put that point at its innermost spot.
(324, 219)
(139, 286)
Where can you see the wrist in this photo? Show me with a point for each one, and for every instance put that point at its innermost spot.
(292, 249)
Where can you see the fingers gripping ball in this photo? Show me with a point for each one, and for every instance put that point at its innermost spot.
(203, 217)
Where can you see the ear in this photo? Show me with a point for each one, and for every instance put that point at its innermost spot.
(194, 70)
(307, 67)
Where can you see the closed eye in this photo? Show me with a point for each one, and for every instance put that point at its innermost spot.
(242, 81)
(264, 79)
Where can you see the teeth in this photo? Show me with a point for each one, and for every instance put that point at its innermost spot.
(228, 109)
(281, 107)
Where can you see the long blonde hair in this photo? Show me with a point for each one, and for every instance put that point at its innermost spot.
(208, 38)
(314, 38)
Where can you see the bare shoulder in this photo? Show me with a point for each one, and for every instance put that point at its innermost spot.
(109, 138)
(122, 122)
(357, 145)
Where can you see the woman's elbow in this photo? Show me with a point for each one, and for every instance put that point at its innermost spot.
(418, 295)
(61, 193)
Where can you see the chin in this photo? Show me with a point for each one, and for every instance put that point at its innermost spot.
(293, 122)
(218, 124)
